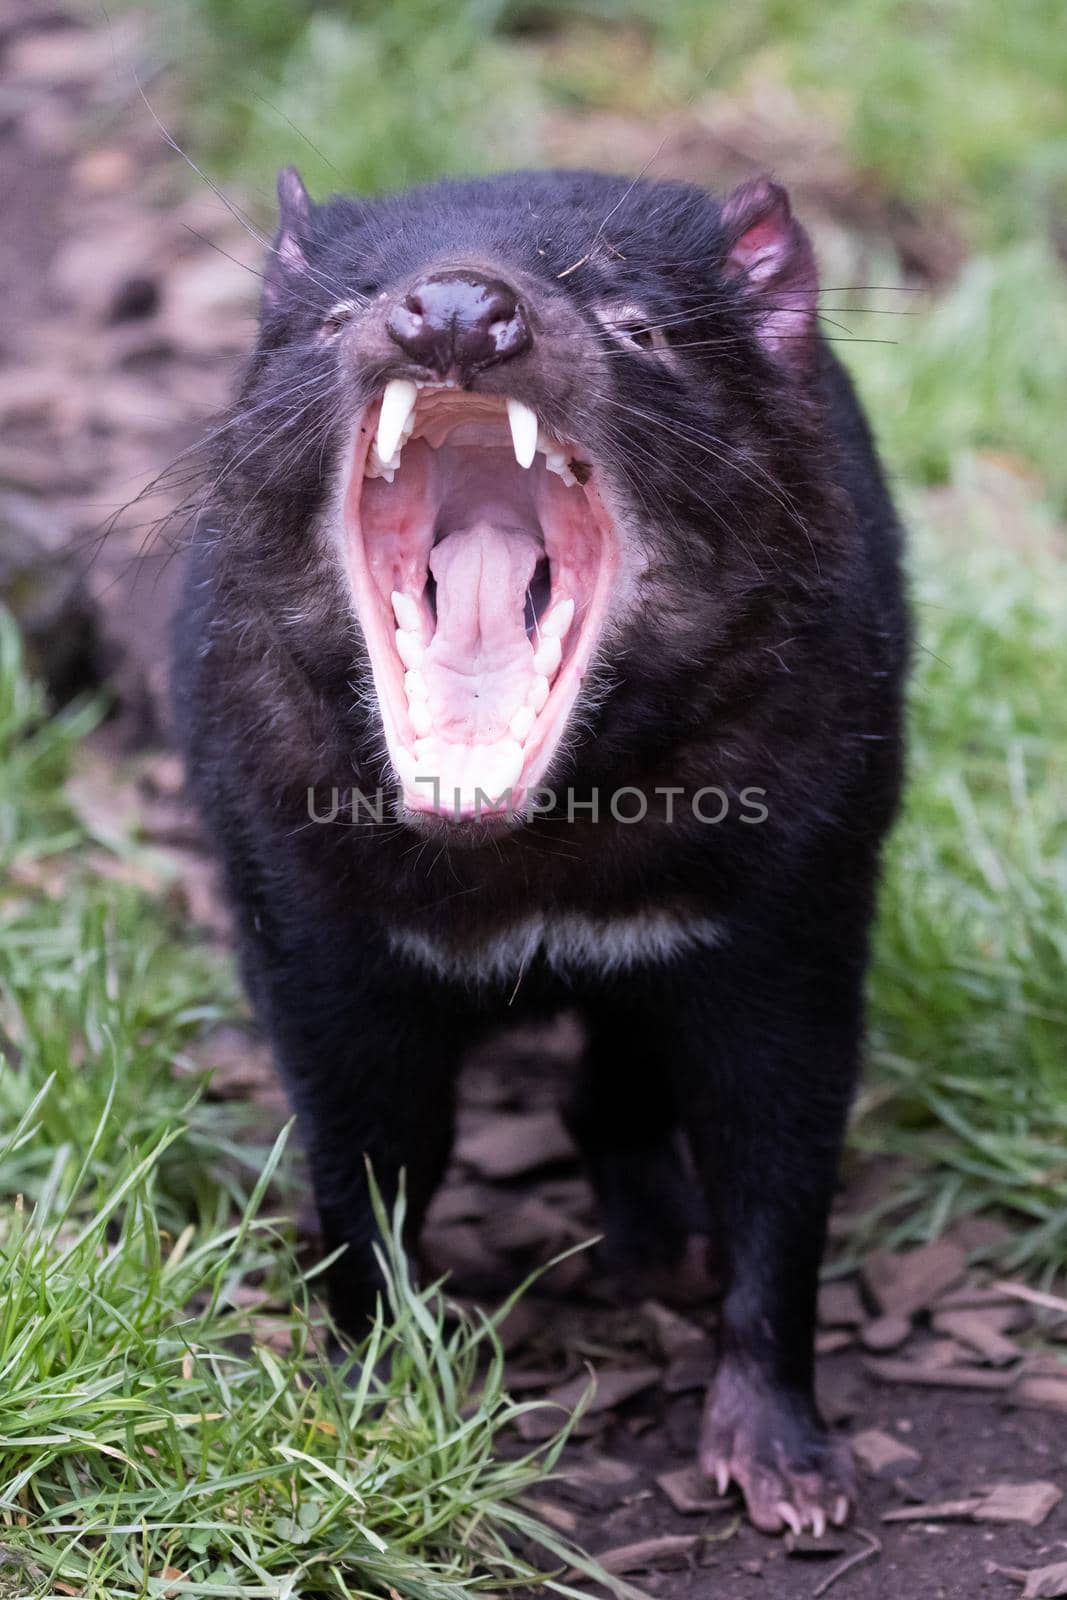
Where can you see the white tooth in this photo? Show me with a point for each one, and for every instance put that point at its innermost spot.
(522, 722)
(420, 718)
(505, 765)
(538, 694)
(409, 648)
(523, 431)
(415, 685)
(407, 612)
(557, 620)
(547, 657)
(398, 402)
(376, 468)
(406, 767)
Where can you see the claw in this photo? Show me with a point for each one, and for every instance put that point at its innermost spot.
(722, 1477)
(818, 1522)
(790, 1517)
(839, 1514)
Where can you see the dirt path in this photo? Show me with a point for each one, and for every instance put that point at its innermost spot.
(123, 325)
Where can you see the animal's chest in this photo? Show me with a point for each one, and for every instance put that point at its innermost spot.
(566, 942)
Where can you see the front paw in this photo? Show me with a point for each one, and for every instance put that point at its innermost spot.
(792, 1472)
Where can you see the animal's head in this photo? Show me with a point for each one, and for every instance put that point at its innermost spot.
(532, 427)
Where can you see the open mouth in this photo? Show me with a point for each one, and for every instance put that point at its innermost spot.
(481, 559)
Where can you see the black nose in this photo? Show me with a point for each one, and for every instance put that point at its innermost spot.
(457, 323)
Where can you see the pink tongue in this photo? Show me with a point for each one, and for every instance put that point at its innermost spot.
(478, 668)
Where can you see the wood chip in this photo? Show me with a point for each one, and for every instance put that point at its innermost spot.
(935, 1511)
(981, 1332)
(883, 1453)
(1029, 1503)
(1034, 1297)
(905, 1283)
(689, 1491)
(673, 1332)
(886, 1333)
(532, 1224)
(1043, 1394)
(888, 1370)
(971, 1297)
(556, 1516)
(1019, 1502)
(1046, 1583)
(609, 1388)
(602, 1472)
(806, 1546)
(840, 1305)
(510, 1144)
(690, 1369)
(828, 1341)
(648, 1555)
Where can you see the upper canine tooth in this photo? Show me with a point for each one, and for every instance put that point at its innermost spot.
(554, 623)
(523, 423)
(398, 402)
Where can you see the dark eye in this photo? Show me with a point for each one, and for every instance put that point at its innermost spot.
(643, 338)
(336, 319)
(639, 331)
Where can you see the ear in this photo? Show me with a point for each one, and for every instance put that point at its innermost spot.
(287, 259)
(770, 255)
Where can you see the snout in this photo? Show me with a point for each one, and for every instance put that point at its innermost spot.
(457, 323)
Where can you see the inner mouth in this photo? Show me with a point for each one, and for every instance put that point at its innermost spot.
(482, 560)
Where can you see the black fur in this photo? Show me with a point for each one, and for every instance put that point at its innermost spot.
(765, 649)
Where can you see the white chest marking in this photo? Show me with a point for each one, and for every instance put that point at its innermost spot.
(568, 941)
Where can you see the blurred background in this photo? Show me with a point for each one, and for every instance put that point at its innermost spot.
(925, 146)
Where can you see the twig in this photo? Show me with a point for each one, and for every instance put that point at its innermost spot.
(1033, 1297)
(874, 1548)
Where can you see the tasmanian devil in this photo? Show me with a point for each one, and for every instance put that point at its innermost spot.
(546, 529)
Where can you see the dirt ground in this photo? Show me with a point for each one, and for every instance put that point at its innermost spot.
(124, 320)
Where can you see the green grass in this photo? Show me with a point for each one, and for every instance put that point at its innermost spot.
(163, 1407)
(980, 368)
(969, 1053)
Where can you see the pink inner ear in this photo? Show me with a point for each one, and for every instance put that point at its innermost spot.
(772, 257)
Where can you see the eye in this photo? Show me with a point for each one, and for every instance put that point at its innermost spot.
(634, 328)
(337, 318)
(645, 338)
